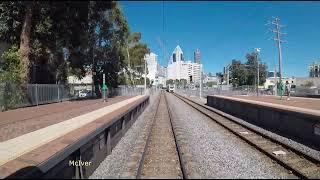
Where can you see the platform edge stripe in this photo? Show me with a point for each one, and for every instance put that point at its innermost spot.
(61, 155)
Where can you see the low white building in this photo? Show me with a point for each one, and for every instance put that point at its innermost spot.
(207, 79)
(75, 80)
(271, 81)
(81, 84)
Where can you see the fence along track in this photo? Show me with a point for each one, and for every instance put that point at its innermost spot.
(160, 146)
(299, 163)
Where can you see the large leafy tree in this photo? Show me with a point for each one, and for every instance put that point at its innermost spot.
(109, 31)
(10, 72)
(238, 73)
(220, 76)
(183, 83)
(60, 38)
(169, 81)
(41, 30)
(246, 74)
(135, 52)
(251, 65)
(15, 28)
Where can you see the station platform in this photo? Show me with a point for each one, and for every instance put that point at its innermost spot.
(306, 103)
(296, 104)
(297, 118)
(14, 123)
(66, 123)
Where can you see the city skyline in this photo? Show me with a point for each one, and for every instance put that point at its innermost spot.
(223, 31)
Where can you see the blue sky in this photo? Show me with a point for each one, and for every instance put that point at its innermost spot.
(228, 30)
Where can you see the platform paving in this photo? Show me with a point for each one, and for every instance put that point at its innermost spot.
(21, 121)
(16, 147)
(291, 105)
(307, 103)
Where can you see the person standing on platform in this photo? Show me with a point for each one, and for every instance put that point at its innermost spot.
(288, 90)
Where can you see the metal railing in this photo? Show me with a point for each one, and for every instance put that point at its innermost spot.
(306, 92)
(221, 90)
(47, 93)
(16, 96)
(125, 91)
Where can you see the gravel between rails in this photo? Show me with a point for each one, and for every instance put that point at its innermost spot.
(305, 149)
(161, 157)
(115, 164)
(218, 153)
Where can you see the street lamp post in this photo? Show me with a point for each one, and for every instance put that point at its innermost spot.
(200, 94)
(228, 73)
(145, 76)
(257, 50)
(228, 82)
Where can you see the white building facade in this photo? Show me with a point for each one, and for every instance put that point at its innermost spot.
(207, 79)
(161, 75)
(271, 80)
(180, 69)
(152, 65)
(156, 73)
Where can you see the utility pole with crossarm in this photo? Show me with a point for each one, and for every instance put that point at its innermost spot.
(276, 23)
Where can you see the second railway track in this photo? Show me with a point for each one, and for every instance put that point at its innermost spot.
(300, 164)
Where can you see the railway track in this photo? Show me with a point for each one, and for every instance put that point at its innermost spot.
(161, 157)
(297, 162)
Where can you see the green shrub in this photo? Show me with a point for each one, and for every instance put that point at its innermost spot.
(11, 93)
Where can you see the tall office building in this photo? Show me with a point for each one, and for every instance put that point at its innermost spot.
(197, 56)
(314, 70)
(177, 55)
(178, 68)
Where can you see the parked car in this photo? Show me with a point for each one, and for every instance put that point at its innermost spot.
(268, 91)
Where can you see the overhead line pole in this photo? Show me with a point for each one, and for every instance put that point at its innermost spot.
(275, 79)
(278, 26)
(200, 93)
